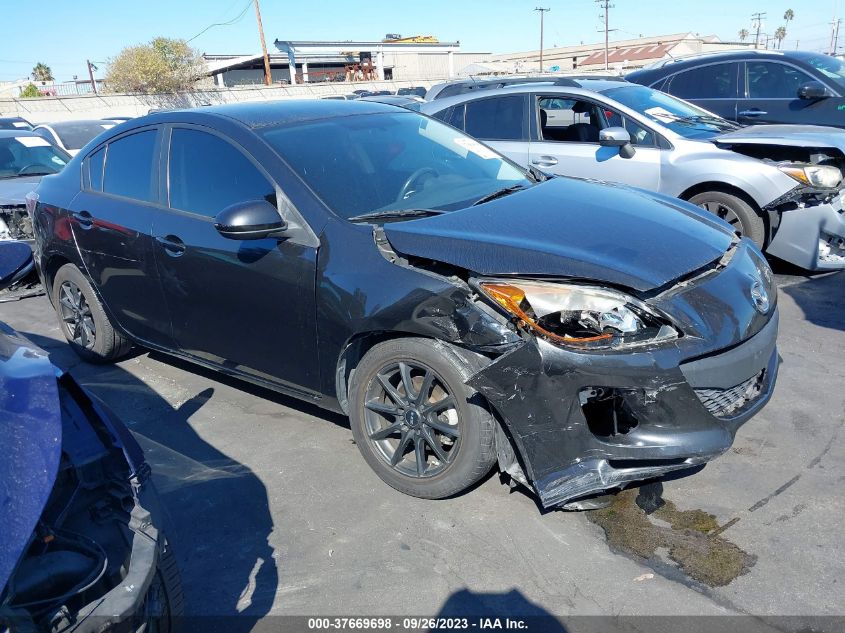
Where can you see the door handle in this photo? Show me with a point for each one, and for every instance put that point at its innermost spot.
(172, 245)
(84, 219)
(753, 112)
(544, 161)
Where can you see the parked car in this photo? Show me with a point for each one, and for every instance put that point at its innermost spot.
(83, 547)
(14, 123)
(779, 186)
(411, 103)
(457, 87)
(348, 97)
(754, 86)
(72, 136)
(461, 310)
(24, 158)
(416, 91)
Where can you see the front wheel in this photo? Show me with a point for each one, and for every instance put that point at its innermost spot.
(419, 427)
(745, 221)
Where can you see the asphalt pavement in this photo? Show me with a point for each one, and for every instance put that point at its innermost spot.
(273, 511)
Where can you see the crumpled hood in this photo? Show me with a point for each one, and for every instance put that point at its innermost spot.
(31, 440)
(14, 190)
(570, 227)
(791, 135)
(31, 437)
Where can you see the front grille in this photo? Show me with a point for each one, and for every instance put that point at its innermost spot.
(726, 403)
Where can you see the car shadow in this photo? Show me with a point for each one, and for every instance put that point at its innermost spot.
(217, 510)
(821, 298)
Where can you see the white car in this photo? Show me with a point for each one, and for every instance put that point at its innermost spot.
(72, 136)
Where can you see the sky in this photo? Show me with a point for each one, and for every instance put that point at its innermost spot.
(64, 34)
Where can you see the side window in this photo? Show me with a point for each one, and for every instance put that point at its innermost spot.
(129, 168)
(567, 120)
(453, 116)
(95, 164)
(770, 80)
(496, 118)
(640, 136)
(715, 81)
(207, 174)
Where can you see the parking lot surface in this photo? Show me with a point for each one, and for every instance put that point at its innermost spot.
(273, 511)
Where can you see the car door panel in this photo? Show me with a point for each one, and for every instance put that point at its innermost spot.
(587, 159)
(113, 236)
(245, 305)
(771, 96)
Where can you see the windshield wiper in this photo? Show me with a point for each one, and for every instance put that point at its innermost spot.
(499, 194)
(394, 213)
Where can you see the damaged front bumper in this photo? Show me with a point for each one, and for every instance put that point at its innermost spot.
(812, 237)
(583, 423)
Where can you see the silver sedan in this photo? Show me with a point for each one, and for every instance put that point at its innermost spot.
(778, 185)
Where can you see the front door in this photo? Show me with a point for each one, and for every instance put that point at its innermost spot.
(772, 97)
(111, 221)
(566, 143)
(245, 305)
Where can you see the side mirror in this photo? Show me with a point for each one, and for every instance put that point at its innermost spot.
(15, 262)
(813, 90)
(250, 220)
(617, 137)
(614, 137)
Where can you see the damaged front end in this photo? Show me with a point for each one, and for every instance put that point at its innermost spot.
(591, 420)
(807, 223)
(83, 548)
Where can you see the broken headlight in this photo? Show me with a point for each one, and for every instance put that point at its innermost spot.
(821, 176)
(578, 316)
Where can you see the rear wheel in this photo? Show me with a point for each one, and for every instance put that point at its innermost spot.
(745, 221)
(419, 427)
(83, 320)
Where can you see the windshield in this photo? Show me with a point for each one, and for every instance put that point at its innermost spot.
(29, 156)
(76, 135)
(830, 67)
(391, 161)
(682, 118)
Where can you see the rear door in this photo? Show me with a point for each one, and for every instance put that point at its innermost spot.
(565, 141)
(246, 305)
(714, 87)
(500, 121)
(111, 221)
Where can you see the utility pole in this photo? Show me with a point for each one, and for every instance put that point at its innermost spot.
(605, 4)
(268, 78)
(834, 35)
(757, 23)
(91, 68)
(542, 13)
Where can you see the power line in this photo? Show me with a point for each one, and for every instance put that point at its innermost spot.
(230, 22)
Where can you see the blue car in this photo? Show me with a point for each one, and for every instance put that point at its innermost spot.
(82, 546)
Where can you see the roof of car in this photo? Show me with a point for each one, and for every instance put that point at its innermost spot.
(283, 112)
(698, 58)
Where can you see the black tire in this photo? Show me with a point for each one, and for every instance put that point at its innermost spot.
(165, 603)
(734, 210)
(474, 447)
(108, 344)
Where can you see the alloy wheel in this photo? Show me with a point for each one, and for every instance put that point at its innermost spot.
(726, 213)
(76, 316)
(411, 419)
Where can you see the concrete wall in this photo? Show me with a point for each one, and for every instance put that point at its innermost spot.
(47, 109)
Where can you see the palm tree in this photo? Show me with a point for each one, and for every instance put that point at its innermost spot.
(41, 72)
(788, 16)
(743, 35)
(780, 33)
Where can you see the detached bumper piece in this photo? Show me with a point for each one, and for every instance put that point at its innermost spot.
(812, 237)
